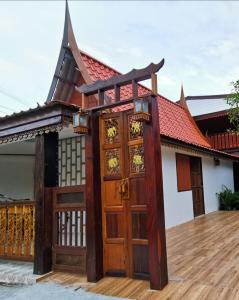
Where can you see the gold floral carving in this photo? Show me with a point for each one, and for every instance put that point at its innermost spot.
(136, 159)
(112, 162)
(111, 131)
(135, 129)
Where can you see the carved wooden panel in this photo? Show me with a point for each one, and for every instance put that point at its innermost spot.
(135, 129)
(17, 231)
(112, 162)
(136, 159)
(111, 130)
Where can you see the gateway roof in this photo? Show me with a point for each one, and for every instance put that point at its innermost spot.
(175, 121)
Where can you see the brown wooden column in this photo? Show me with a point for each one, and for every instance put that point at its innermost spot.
(94, 254)
(46, 177)
(155, 202)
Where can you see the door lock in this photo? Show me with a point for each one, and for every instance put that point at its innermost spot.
(124, 188)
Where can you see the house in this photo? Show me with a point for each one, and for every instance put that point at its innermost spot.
(94, 212)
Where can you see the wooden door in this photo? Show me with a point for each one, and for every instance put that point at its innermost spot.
(69, 224)
(197, 186)
(124, 216)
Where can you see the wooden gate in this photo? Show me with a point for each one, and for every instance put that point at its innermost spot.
(17, 230)
(124, 209)
(69, 236)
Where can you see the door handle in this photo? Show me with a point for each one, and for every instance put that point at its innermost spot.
(124, 188)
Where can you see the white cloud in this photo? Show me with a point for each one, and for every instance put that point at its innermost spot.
(223, 48)
(132, 51)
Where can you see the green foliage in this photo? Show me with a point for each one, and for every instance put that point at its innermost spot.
(233, 102)
(228, 200)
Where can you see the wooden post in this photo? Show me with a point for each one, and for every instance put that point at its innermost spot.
(155, 202)
(94, 255)
(46, 177)
(154, 84)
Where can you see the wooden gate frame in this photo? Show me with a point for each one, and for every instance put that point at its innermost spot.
(78, 251)
(153, 176)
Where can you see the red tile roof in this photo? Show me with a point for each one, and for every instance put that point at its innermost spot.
(174, 120)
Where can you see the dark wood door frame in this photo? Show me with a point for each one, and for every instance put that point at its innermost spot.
(154, 199)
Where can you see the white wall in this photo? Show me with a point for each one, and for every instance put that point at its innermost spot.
(214, 177)
(179, 205)
(17, 176)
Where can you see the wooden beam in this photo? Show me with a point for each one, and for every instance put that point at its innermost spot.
(121, 80)
(155, 202)
(101, 96)
(135, 89)
(94, 255)
(46, 177)
(117, 93)
(154, 84)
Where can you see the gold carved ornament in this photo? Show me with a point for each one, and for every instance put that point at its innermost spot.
(135, 129)
(137, 159)
(112, 162)
(111, 131)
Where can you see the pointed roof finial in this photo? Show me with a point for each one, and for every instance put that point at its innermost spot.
(182, 100)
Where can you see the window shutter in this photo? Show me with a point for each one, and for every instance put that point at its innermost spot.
(183, 172)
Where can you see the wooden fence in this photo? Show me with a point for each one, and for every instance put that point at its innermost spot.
(225, 140)
(17, 232)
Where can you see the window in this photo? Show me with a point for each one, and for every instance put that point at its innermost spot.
(183, 172)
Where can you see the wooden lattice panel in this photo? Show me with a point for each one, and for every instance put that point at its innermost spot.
(71, 161)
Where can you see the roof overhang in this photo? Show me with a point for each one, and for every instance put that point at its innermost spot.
(217, 114)
(42, 119)
(211, 152)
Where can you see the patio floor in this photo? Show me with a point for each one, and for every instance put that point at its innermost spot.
(203, 262)
(17, 272)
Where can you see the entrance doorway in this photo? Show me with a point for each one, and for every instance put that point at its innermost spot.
(69, 222)
(124, 210)
(197, 186)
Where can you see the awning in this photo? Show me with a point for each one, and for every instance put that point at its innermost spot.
(37, 121)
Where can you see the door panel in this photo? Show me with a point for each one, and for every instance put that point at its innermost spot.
(197, 186)
(124, 211)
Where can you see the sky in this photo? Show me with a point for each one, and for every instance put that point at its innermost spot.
(199, 41)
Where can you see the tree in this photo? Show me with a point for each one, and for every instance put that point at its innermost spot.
(233, 102)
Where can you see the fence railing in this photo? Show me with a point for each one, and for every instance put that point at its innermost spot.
(17, 232)
(225, 140)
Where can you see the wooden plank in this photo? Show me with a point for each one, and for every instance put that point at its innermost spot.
(155, 201)
(3, 227)
(19, 230)
(94, 259)
(27, 229)
(10, 230)
(194, 250)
